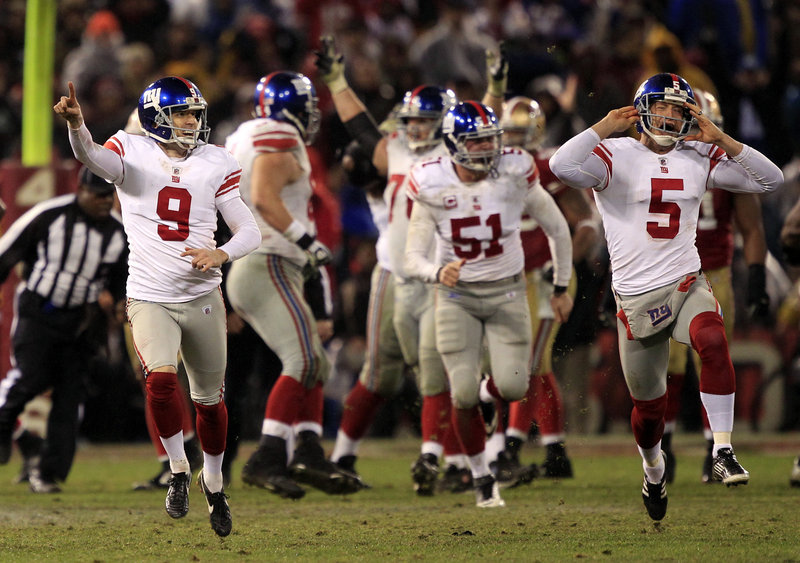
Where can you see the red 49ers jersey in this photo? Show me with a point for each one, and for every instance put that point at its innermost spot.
(534, 241)
(715, 229)
(169, 204)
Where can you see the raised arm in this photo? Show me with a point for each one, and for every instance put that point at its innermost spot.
(100, 160)
(354, 115)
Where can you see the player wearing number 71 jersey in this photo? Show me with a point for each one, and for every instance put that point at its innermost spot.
(648, 192)
(171, 185)
(472, 204)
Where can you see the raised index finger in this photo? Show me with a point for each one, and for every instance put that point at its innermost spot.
(71, 87)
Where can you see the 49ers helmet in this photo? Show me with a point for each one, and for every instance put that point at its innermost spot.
(523, 123)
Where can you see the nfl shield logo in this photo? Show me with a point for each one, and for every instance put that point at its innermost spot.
(206, 309)
(450, 202)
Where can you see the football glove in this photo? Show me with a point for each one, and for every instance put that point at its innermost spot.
(497, 71)
(331, 65)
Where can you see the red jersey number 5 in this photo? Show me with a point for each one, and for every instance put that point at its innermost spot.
(657, 205)
(470, 247)
(174, 205)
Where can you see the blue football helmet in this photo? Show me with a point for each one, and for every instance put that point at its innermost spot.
(468, 121)
(664, 87)
(289, 97)
(425, 102)
(163, 98)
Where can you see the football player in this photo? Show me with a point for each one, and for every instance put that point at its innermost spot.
(524, 126)
(266, 287)
(400, 307)
(171, 183)
(649, 192)
(470, 204)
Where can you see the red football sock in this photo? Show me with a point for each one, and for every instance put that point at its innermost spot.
(708, 338)
(360, 407)
(285, 400)
(647, 421)
(674, 387)
(520, 413)
(435, 419)
(212, 427)
(469, 428)
(311, 408)
(549, 412)
(164, 405)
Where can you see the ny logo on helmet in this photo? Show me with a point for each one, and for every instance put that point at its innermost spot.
(150, 98)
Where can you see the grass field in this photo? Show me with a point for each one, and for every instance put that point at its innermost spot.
(598, 516)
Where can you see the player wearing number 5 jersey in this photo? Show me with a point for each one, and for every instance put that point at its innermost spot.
(648, 193)
(472, 204)
(171, 184)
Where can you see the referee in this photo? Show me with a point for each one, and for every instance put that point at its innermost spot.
(73, 251)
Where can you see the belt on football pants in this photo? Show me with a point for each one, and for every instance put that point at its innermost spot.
(511, 279)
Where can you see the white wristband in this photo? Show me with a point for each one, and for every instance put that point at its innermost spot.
(295, 231)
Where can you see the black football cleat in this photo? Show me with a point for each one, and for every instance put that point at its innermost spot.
(557, 464)
(177, 502)
(728, 470)
(310, 466)
(424, 473)
(455, 480)
(655, 498)
(219, 513)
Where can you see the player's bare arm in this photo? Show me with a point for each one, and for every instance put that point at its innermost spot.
(271, 173)
(616, 121)
(69, 108)
(351, 110)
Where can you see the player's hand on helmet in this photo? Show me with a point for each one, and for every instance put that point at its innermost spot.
(330, 63)
(69, 108)
(616, 121)
(706, 131)
(497, 71)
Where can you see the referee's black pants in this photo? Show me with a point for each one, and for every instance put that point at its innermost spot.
(49, 354)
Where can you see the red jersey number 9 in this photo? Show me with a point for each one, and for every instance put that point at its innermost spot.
(180, 214)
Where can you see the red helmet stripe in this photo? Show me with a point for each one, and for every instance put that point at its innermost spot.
(479, 108)
(415, 92)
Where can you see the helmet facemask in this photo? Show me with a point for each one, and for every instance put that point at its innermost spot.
(480, 161)
(184, 137)
(423, 133)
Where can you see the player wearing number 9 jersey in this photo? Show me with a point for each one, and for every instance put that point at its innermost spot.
(472, 204)
(171, 185)
(648, 193)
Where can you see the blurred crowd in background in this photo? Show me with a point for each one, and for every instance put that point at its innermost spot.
(577, 58)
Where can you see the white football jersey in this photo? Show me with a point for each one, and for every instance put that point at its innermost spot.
(401, 160)
(380, 218)
(169, 204)
(264, 135)
(650, 207)
(479, 222)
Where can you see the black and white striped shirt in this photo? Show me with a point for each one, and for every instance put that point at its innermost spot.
(68, 257)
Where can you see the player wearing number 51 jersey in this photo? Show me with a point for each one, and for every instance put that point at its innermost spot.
(171, 185)
(472, 205)
(648, 193)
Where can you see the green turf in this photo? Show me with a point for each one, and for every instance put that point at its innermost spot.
(598, 516)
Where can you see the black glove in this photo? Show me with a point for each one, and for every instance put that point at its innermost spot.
(757, 297)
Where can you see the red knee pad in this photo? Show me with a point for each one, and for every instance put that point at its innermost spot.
(647, 420)
(708, 338)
